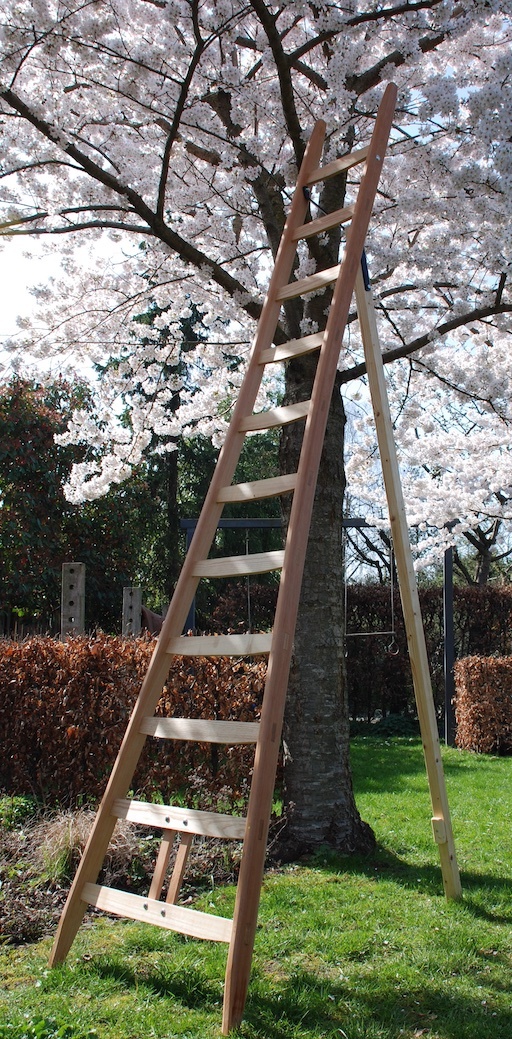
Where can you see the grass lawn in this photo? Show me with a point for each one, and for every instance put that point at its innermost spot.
(346, 947)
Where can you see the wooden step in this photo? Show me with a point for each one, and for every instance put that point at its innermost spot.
(163, 914)
(170, 817)
(200, 730)
(269, 488)
(246, 645)
(338, 165)
(233, 566)
(276, 416)
(324, 223)
(309, 284)
(293, 348)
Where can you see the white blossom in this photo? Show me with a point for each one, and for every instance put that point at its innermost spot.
(104, 83)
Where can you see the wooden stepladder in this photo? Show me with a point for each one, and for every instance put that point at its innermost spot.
(239, 932)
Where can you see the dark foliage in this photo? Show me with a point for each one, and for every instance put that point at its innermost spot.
(378, 670)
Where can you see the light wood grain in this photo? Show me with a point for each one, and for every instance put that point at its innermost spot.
(251, 644)
(324, 223)
(201, 730)
(276, 416)
(149, 910)
(309, 284)
(170, 817)
(180, 865)
(162, 862)
(408, 587)
(233, 566)
(293, 348)
(258, 489)
(339, 165)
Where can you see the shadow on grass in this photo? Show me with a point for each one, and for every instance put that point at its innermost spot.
(183, 981)
(327, 1006)
(320, 1005)
(334, 1008)
(380, 766)
(385, 865)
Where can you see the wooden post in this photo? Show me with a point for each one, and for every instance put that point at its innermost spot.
(441, 823)
(72, 613)
(132, 607)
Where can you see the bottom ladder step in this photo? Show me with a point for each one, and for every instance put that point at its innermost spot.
(149, 910)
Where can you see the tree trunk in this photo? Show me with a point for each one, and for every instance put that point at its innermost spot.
(318, 790)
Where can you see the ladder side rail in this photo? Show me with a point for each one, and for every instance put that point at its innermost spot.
(408, 590)
(267, 750)
(133, 741)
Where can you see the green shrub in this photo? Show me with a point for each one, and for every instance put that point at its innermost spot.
(17, 809)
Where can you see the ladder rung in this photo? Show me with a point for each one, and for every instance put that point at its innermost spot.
(276, 416)
(169, 817)
(269, 488)
(324, 223)
(310, 284)
(248, 645)
(231, 566)
(338, 165)
(201, 731)
(150, 910)
(294, 348)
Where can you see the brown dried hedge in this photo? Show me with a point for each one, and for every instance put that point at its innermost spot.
(64, 709)
(483, 704)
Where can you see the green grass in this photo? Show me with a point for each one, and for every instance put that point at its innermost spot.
(358, 948)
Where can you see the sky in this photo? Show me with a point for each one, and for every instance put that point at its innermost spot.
(17, 273)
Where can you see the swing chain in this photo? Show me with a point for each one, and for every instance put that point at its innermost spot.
(393, 649)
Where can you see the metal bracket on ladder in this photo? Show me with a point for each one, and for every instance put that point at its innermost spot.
(266, 734)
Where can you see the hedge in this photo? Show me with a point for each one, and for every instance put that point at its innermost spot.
(379, 678)
(64, 706)
(377, 666)
(483, 704)
(64, 709)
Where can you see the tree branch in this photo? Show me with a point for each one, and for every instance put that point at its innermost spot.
(479, 314)
(372, 77)
(268, 22)
(178, 111)
(155, 224)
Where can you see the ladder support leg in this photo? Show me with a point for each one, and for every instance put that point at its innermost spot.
(179, 867)
(258, 818)
(75, 908)
(162, 862)
(408, 590)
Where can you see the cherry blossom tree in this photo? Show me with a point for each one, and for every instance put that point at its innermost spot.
(156, 145)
